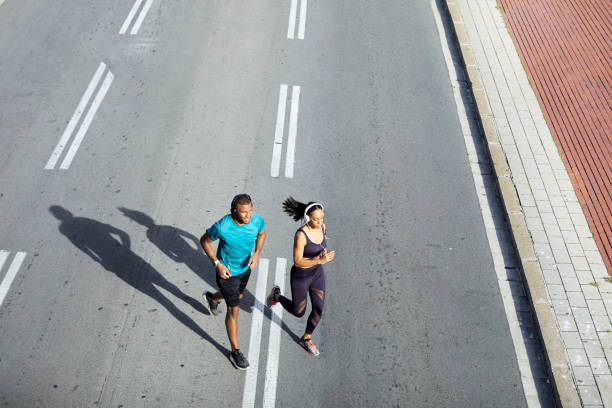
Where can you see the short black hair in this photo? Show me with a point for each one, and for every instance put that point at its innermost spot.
(240, 199)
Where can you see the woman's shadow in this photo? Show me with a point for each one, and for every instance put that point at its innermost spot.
(110, 247)
(182, 247)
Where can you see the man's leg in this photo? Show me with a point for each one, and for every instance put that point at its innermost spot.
(231, 324)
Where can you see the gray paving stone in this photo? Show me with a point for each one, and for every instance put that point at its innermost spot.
(535, 224)
(578, 357)
(551, 276)
(566, 269)
(580, 262)
(592, 257)
(605, 338)
(562, 307)
(556, 292)
(566, 225)
(561, 255)
(596, 307)
(605, 389)
(575, 250)
(571, 284)
(585, 277)
(539, 237)
(589, 395)
(571, 339)
(590, 292)
(570, 237)
(587, 331)
(584, 376)
(544, 207)
(599, 366)
(583, 231)
(567, 323)
(582, 315)
(548, 218)
(602, 323)
(593, 349)
(599, 270)
(552, 230)
(576, 299)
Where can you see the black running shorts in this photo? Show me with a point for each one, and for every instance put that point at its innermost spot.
(232, 287)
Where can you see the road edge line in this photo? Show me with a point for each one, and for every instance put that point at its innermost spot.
(558, 367)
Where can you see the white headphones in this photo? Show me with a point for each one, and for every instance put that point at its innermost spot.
(308, 207)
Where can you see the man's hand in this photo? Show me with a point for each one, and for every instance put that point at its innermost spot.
(253, 261)
(222, 271)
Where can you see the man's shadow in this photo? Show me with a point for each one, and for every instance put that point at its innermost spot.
(110, 247)
(183, 247)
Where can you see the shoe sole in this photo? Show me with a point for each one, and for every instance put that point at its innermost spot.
(236, 365)
(270, 303)
(308, 351)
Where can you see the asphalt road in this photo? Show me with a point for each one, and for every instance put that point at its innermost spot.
(106, 308)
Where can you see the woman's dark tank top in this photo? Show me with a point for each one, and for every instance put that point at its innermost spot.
(311, 249)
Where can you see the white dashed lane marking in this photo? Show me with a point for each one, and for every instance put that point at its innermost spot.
(76, 116)
(11, 273)
(141, 16)
(292, 19)
(280, 128)
(250, 382)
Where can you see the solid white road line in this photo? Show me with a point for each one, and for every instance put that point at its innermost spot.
(302, 26)
(293, 119)
(141, 17)
(10, 275)
(130, 17)
(108, 80)
(278, 134)
(250, 382)
(292, 15)
(482, 185)
(269, 398)
(59, 148)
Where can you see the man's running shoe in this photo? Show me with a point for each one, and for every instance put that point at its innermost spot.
(239, 360)
(212, 305)
(309, 347)
(271, 299)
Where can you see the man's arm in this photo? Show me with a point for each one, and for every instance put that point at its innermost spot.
(259, 242)
(206, 243)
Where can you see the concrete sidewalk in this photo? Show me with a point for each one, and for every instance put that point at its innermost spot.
(564, 272)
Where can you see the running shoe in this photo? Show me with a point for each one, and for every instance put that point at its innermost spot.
(212, 306)
(239, 360)
(271, 299)
(309, 347)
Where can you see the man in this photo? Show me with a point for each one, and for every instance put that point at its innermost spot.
(234, 260)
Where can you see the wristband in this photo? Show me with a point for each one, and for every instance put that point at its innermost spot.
(216, 262)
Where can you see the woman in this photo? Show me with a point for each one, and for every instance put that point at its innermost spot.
(309, 254)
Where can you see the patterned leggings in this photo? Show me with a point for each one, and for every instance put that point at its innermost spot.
(311, 280)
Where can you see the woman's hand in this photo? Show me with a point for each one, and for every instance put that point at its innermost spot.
(326, 257)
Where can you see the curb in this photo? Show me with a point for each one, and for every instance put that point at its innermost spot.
(559, 369)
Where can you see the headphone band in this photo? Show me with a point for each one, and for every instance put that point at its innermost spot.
(308, 207)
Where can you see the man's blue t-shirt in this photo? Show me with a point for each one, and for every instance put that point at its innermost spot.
(235, 241)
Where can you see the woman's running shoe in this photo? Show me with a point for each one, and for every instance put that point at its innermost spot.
(309, 347)
(271, 299)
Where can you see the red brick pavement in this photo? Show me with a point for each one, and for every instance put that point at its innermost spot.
(566, 49)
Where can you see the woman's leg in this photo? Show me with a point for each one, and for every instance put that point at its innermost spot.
(317, 298)
(299, 287)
